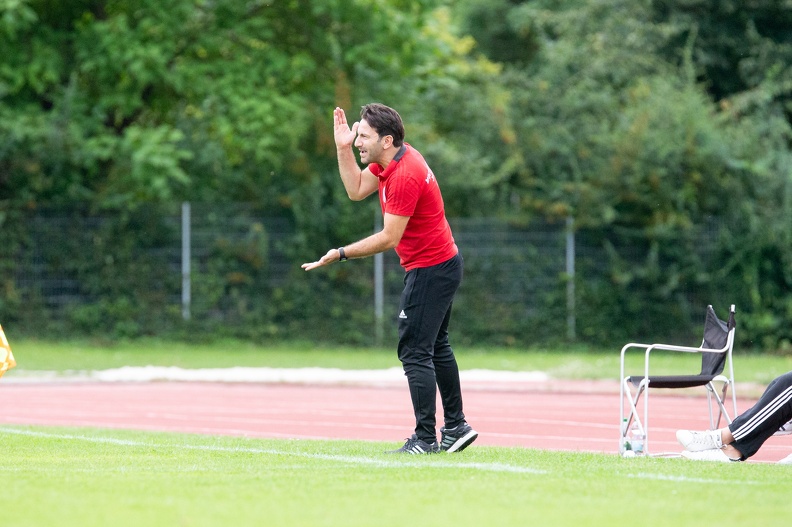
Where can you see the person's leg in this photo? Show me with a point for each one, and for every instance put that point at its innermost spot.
(449, 277)
(424, 306)
(755, 426)
(748, 432)
(447, 373)
(457, 434)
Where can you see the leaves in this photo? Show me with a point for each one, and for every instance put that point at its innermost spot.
(145, 92)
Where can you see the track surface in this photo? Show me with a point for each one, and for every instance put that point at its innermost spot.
(579, 417)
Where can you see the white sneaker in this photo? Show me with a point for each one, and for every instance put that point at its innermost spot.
(713, 454)
(698, 441)
(786, 461)
(785, 430)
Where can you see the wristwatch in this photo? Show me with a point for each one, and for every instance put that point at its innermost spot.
(342, 255)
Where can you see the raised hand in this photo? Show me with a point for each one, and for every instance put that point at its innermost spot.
(344, 136)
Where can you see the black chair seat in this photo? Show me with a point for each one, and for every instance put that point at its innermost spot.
(673, 381)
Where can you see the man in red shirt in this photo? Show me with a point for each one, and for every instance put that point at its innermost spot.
(415, 225)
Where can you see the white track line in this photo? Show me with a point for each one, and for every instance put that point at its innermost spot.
(685, 479)
(354, 460)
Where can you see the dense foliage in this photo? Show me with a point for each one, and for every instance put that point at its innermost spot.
(644, 120)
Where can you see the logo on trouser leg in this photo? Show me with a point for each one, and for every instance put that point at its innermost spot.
(402, 314)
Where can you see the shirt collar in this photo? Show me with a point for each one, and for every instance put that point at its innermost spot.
(394, 162)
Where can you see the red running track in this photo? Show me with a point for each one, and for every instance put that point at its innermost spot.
(581, 417)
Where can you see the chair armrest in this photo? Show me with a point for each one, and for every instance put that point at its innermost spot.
(648, 348)
(687, 349)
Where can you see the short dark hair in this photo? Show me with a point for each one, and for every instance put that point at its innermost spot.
(385, 120)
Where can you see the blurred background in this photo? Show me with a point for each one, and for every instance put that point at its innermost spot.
(609, 167)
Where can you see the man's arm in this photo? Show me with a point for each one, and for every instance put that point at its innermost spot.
(388, 238)
(358, 183)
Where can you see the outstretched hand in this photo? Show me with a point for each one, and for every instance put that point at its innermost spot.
(344, 136)
(331, 256)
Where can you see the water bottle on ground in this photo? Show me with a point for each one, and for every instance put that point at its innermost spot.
(626, 446)
(637, 439)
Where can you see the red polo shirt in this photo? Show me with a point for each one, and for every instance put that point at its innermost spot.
(407, 187)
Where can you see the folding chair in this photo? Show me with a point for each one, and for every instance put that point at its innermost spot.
(715, 349)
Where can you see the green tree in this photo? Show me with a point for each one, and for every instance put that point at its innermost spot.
(113, 102)
(132, 105)
(614, 124)
(741, 52)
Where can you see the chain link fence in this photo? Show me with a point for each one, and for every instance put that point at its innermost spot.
(237, 274)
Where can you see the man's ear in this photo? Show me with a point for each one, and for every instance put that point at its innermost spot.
(387, 141)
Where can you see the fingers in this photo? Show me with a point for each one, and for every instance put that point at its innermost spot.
(344, 137)
(339, 117)
(314, 265)
(327, 259)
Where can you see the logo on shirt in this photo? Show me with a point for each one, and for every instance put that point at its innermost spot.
(429, 176)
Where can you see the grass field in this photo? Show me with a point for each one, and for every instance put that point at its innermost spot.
(88, 477)
(84, 477)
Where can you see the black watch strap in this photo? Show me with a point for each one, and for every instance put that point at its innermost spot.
(342, 254)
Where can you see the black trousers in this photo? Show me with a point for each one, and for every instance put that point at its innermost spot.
(762, 420)
(424, 351)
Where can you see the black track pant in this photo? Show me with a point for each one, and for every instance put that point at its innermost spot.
(424, 351)
(762, 420)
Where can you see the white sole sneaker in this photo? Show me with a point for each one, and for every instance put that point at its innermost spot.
(786, 461)
(698, 441)
(457, 443)
(714, 454)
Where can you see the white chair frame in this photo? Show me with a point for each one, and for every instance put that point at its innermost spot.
(633, 399)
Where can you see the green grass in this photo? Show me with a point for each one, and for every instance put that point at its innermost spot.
(88, 477)
(94, 477)
(564, 362)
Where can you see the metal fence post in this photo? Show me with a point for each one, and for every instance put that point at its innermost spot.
(185, 263)
(570, 271)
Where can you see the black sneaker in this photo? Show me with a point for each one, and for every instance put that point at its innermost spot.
(457, 439)
(417, 446)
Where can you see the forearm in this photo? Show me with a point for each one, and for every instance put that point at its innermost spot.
(379, 242)
(374, 244)
(351, 174)
(387, 238)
